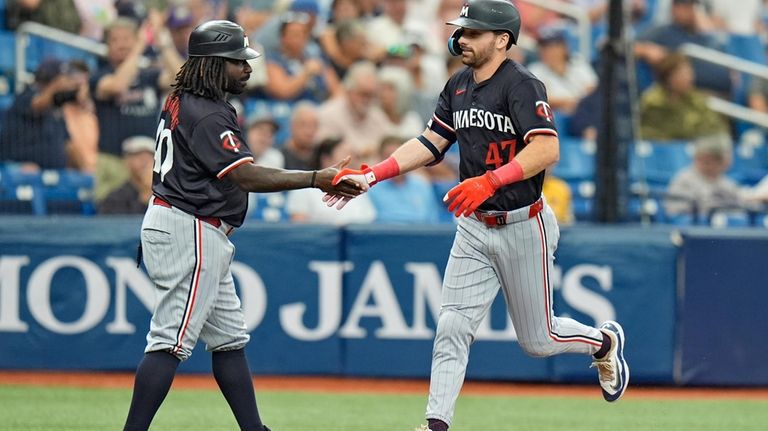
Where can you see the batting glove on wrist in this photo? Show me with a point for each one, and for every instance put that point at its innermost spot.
(471, 193)
(363, 176)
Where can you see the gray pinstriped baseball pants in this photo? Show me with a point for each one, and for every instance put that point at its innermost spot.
(189, 261)
(516, 258)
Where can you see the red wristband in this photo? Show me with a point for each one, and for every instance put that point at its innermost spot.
(510, 173)
(386, 169)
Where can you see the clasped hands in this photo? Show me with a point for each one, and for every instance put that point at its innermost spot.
(462, 199)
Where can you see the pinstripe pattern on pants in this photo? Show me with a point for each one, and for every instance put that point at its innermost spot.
(516, 258)
(189, 261)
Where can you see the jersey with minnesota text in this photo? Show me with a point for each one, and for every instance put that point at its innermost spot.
(198, 144)
(492, 121)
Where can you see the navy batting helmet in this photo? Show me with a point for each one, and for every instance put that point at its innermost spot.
(486, 15)
(220, 38)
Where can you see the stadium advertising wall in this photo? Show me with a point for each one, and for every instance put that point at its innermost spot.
(360, 301)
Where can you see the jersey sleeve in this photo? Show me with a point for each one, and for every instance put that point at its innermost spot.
(442, 120)
(531, 113)
(218, 144)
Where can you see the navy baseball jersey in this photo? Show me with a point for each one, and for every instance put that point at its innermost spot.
(198, 144)
(492, 121)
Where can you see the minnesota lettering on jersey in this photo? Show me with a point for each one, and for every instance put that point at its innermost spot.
(481, 118)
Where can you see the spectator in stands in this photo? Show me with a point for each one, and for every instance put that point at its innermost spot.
(396, 95)
(33, 129)
(95, 15)
(425, 73)
(268, 35)
(355, 116)
(703, 186)
(293, 73)
(407, 198)
(567, 78)
(82, 125)
(300, 145)
(559, 197)
(133, 196)
(180, 24)
(743, 25)
(61, 14)
(307, 206)
(685, 27)
(758, 95)
(127, 99)
(171, 30)
(345, 44)
(673, 108)
(251, 14)
(261, 131)
(388, 28)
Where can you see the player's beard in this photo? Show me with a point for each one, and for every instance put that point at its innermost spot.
(234, 86)
(476, 59)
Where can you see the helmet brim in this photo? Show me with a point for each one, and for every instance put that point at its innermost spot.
(470, 23)
(245, 53)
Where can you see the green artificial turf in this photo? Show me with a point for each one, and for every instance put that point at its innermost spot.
(39, 408)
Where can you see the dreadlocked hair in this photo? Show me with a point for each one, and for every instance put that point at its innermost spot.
(202, 76)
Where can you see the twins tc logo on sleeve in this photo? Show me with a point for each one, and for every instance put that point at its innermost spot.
(229, 141)
(544, 111)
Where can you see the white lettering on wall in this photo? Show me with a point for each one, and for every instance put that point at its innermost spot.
(587, 301)
(10, 270)
(329, 276)
(253, 294)
(376, 298)
(427, 285)
(128, 276)
(39, 294)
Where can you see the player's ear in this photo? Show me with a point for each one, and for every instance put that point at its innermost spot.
(502, 40)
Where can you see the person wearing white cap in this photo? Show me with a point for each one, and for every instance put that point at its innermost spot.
(133, 196)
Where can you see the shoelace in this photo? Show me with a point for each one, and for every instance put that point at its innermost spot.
(605, 368)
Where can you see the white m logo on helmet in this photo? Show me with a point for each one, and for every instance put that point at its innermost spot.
(245, 41)
(464, 10)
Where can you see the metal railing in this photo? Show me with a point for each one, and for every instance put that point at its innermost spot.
(577, 14)
(718, 104)
(29, 28)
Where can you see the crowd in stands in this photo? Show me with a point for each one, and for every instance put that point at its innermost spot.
(359, 77)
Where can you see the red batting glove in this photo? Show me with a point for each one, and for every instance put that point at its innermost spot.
(363, 176)
(471, 193)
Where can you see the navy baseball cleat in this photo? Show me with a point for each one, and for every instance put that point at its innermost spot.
(612, 369)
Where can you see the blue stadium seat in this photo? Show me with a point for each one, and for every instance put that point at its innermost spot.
(7, 51)
(750, 164)
(267, 207)
(20, 191)
(40, 49)
(582, 199)
(3, 8)
(577, 160)
(655, 163)
(68, 192)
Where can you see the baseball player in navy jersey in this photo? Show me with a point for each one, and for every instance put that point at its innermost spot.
(203, 172)
(506, 237)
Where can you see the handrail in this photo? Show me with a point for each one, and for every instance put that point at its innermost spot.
(33, 28)
(578, 14)
(730, 61)
(737, 111)
(59, 36)
(717, 104)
